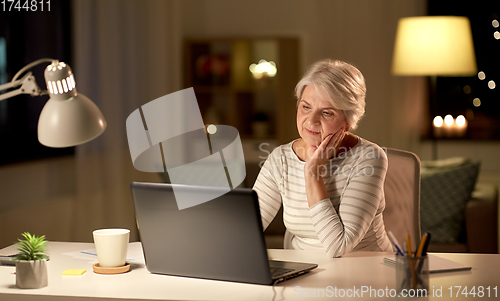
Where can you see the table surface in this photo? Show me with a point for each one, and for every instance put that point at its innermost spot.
(354, 271)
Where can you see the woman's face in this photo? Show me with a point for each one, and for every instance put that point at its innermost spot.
(317, 118)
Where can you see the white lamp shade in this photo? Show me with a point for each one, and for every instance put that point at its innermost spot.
(434, 45)
(70, 122)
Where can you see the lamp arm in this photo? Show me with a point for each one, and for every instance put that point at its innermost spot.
(28, 86)
(14, 84)
(31, 65)
(27, 82)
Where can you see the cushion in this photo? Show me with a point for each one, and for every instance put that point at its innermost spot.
(446, 186)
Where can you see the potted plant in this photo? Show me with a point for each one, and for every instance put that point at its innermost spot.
(31, 262)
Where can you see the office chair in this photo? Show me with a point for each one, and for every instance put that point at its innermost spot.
(402, 196)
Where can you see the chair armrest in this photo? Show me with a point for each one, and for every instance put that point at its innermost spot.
(481, 219)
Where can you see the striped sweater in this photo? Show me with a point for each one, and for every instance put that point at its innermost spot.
(349, 220)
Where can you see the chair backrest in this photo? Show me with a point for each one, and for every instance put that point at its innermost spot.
(402, 195)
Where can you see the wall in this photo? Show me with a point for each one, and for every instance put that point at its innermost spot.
(359, 32)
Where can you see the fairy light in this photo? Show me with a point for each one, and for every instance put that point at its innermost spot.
(263, 68)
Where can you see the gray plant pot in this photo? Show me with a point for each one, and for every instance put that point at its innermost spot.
(31, 274)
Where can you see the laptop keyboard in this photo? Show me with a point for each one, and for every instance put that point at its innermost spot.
(277, 272)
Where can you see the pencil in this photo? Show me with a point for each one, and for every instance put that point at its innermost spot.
(421, 245)
(408, 246)
(411, 262)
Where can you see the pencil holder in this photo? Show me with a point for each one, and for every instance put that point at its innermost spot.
(412, 275)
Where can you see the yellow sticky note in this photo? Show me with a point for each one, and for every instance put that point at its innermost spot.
(74, 272)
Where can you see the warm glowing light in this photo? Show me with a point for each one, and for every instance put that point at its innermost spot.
(59, 87)
(467, 89)
(211, 129)
(438, 121)
(263, 68)
(65, 87)
(460, 120)
(434, 45)
(491, 84)
(54, 87)
(476, 102)
(70, 83)
(497, 35)
(495, 23)
(72, 80)
(481, 75)
(448, 120)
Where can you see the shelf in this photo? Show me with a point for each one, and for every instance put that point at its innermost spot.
(227, 93)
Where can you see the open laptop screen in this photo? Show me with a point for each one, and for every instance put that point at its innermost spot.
(221, 239)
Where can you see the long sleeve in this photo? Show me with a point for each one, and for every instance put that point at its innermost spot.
(267, 188)
(340, 232)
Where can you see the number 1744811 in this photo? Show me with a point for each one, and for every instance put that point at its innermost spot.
(25, 5)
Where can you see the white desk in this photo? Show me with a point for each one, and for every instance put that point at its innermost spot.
(354, 270)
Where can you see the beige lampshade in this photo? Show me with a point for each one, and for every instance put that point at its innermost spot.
(434, 45)
(69, 118)
(70, 122)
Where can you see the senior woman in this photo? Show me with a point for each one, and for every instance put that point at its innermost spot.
(329, 181)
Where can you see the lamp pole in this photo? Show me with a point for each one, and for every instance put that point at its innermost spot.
(434, 110)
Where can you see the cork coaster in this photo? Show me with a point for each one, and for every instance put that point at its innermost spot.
(117, 270)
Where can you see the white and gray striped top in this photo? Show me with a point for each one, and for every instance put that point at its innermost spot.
(350, 220)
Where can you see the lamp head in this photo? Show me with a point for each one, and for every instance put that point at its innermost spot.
(68, 118)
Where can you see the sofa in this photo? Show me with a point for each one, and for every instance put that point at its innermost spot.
(481, 224)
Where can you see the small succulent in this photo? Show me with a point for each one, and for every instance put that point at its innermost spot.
(31, 248)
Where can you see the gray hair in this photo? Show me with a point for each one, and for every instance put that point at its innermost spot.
(341, 83)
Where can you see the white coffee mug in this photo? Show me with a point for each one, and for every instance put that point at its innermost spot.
(111, 247)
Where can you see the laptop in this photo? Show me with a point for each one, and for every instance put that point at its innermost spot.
(221, 239)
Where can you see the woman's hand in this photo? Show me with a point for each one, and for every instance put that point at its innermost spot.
(318, 156)
(315, 166)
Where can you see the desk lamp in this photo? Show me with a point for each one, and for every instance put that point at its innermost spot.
(68, 118)
(434, 46)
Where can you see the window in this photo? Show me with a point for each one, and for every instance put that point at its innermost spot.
(26, 37)
(476, 97)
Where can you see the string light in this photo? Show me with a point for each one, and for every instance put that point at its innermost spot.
(491, 84)
(467, 89)
(263, 67)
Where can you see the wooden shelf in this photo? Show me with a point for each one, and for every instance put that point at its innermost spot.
(218, 70)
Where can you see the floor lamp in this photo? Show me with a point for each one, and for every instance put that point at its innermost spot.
(434, 46)
(68, 118)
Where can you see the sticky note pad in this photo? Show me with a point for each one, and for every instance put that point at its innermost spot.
(74, 272)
